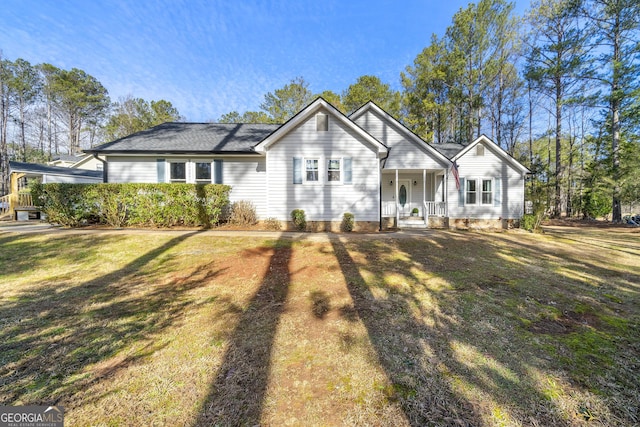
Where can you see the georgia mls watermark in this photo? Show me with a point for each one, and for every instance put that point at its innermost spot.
(31, 416)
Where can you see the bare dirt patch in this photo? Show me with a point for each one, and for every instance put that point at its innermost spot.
(567, 323)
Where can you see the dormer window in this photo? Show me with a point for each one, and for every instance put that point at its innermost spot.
(479, 150)
(322, 122)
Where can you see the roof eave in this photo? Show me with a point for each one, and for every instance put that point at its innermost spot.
(318, 103)
(170, 152)
(421, 143)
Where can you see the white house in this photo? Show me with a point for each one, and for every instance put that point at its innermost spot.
(326, 163)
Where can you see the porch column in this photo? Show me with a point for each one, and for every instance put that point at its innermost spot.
(13, 193)
(446, 193)
(425, 212)
(397, 200)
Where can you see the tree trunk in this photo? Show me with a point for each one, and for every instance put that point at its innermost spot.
(557, 208)
(22, 136)
(569, 194)
(49, 130)
(615, 124)
(4, 155)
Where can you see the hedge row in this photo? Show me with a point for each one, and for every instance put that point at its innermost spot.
(159, 205)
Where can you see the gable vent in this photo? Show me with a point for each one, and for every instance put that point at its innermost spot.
(479, 150)
(322, 122)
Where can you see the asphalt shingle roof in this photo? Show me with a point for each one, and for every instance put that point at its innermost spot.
(449, 149)
(68, 157)
(37, 169)
(179, 138)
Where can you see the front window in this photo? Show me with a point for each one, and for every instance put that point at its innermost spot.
(486, 192)
(203, 172)
(334, 170)
(312, 169)
(471, 192)
(178, 172)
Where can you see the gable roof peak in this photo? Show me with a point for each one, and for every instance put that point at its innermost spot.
(306, 112)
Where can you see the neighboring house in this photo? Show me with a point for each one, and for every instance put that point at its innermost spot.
(18, 204)
(65, 160)
(82, 161)
(326, 163)
(51, 174)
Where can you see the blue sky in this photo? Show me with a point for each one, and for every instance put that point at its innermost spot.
(212, 57)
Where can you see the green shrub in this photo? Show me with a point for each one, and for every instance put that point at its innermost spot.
(65, 204)
(299, 219)
(243, 212)
(272, 224)
(347, 222)
(159, 205)
(596, 204)
(532, 222)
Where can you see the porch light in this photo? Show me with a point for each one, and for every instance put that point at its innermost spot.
(415, 183)
(390, 183)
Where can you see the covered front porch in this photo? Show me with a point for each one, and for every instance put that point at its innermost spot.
(18, 204)
(411, 196)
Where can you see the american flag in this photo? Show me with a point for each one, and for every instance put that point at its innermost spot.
(454, 169)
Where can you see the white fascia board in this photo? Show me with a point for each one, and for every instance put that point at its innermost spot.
(498, 150)
(305, 114)
(402, 128)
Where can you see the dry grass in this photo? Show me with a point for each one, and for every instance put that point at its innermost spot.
(451, 329)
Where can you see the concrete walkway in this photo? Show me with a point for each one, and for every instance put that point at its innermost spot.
(36, 227)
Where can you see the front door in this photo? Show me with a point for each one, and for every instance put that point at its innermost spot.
(404, 197)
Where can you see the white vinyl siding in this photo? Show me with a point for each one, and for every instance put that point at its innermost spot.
(248, 180)
(132, 169)
(507, 185)
(323, 201)
(246, 176)
(69, 179)
(404, 153)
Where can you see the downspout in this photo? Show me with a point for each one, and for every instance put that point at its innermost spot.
(382, 160)
(105, 168)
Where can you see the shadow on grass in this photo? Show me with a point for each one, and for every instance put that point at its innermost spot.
(49, 340)
(26, 252)
(428, 339)
(237, 393)
(397, 338)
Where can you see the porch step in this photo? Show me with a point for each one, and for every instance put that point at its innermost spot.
(412, 222)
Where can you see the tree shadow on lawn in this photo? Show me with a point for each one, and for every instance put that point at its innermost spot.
(26, 252)
(587, 260)
(236, 395)
(48, 339)
(429, 338)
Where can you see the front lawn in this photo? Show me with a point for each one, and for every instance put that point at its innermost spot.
(455, 328)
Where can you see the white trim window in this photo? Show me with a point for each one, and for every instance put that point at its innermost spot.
(190, 171)
(471, 196)
(487, 192)
(178, 171)
(334, 170)
(203, 172)
(311, 170)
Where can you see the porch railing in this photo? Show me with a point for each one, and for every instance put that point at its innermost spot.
(25, 200)
(4, 205)
(434, 208)
(12, 202)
